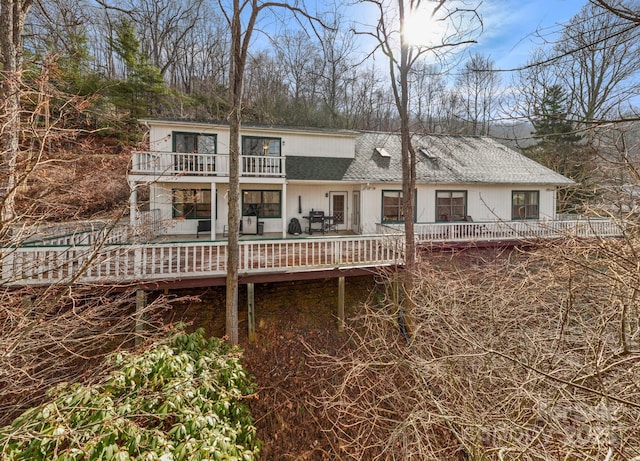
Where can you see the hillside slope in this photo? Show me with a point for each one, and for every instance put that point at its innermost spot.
(83, 178)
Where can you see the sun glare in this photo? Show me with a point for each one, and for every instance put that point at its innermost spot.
(422, 29)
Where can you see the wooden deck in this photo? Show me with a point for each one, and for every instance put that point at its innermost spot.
(106, 258)
(142, 263)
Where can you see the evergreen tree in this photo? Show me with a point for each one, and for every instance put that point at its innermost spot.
(140, 93)
(550, 118)
(559, 147)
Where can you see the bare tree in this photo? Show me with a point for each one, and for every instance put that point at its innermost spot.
(242, 18)
(623, 9)
(430, 96)
(164, 26)
(478, 86)
(599, 63)
(391, 33)
(532, 356)
(12, 17)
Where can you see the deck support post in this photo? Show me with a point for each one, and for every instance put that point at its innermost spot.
(141, 304)
(340, 304)
(251, 317)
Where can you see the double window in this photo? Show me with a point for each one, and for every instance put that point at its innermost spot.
(451, 205)
(191, 203)
(253, 145)
(194, 143)
(264, 203)
(189, 148)
(524, 204)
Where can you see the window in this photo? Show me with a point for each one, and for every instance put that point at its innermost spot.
(525, 204)
(266, 203)
(194, 143)
(191, 203)
(392, 206)
(252, 145)
(451, 205)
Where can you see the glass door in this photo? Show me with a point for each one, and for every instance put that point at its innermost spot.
(338, 209)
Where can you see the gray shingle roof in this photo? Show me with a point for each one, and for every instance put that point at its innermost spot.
(317, 168)
(447, 160)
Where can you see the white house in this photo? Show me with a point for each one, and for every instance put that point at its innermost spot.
(354, 178)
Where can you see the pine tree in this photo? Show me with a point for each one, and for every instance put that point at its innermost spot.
(143, 87)
(559, 147)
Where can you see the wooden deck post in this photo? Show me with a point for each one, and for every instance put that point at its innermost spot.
(141, 304)
(251, 318)
(340, 304)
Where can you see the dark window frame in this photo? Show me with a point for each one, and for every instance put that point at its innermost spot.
(198, 210)
(446, 218)
(523, 213)
(176, 134)
(246, 138)
(261, 205)
(382, 206)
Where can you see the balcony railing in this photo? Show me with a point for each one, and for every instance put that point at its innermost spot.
(177, 163)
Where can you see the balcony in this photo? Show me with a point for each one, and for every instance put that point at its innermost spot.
(191, 164)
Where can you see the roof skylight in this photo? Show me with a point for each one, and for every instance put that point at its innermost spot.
(427, 153)
(382, 152)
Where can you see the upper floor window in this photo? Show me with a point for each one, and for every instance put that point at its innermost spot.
(253, 145)
(451, 205)
(525, 204)
(197, 143)
(191, 203)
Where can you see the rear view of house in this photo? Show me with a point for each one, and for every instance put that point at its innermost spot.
(349, 181)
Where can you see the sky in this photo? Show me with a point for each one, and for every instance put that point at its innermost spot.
(509, 32)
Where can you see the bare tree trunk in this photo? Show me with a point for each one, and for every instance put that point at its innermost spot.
(12, 14)
(236, 71)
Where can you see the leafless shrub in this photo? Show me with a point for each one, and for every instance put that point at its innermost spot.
(62, 334)
(49, 174)
(517, 355)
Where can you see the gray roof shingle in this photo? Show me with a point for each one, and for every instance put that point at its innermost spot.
(317, 168)
(446, 160)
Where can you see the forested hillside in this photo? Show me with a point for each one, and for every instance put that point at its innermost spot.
(96, 67)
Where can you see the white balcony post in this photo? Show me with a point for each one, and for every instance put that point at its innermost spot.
(214, 198)
(285, 217)
(133, 205)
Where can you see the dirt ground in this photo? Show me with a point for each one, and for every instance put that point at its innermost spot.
(288, 316)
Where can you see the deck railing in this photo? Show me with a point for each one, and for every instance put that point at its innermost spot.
(122, 264)
(108, 263)
(177, 163)
(507, 230)
(80, 233)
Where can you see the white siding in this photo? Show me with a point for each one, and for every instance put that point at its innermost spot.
(294, 143)
(315, 197)
(484, 202)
